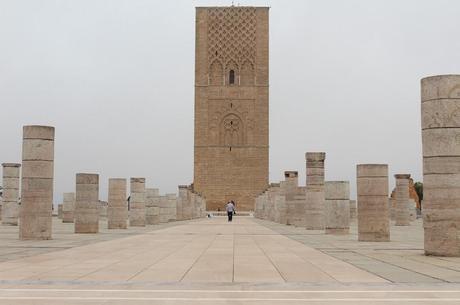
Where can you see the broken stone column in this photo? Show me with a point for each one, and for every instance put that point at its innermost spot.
(68, 207)
(402, 213)
(337, 207)
(10, 209)
(137, 203)
(441, 159)
(117, 210)
(152, 209)
(59, 211)
(86, 203)
(289, 188)
(35, 213)
(315, 190)
(353, 209)
(373, 211)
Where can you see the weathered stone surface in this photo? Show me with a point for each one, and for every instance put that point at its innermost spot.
(402, 215)
(137, 203)
(353, 209)
(315, 218)
(152, 209)
(10, 206)
(59, 211)
(337, 207)
(68, 208)
(86, 203)
(231, 119)
(441, 170)
(117, 210)
(37, 182)
(373, 206)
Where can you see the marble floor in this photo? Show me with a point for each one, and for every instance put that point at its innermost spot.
(211, 261)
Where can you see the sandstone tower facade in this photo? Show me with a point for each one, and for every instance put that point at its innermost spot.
(231, 105)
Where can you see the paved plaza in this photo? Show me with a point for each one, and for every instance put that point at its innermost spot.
(210, 261)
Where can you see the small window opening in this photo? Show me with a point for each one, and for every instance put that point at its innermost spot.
(231, 77)
(230, 148)
(231, 105)
(231, 122)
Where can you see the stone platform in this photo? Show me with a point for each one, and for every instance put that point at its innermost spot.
(211, 261)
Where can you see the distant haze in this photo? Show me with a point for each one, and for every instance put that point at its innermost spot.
(116, 79)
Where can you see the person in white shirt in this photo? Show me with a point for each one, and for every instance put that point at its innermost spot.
(230, 208)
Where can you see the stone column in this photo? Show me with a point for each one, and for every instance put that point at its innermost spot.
(402, 213)
(373, 210)
(337, 207)
(10, 209)
(68, 207)
(152, 209)
(59, 211)
(289, 188)
(117, 210)
(315, 190)
(172, 206)
(137, 203)
(353, 209)
(35, 213)
(86, 203)
(441, 169)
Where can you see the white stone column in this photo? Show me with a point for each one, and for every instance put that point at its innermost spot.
(10, 209)
(117, 210)
(35, 213)
(315, 218)
(402, 213)
(373, 211)
(68, 208)
(337, 206)
(152, 209)
(86, 203)
(441, 164)
(137, 203)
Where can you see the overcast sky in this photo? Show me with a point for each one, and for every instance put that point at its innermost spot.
(116, 77)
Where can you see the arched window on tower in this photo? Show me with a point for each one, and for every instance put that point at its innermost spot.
(231, 77)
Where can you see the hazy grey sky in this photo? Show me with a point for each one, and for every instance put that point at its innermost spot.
(115, 78)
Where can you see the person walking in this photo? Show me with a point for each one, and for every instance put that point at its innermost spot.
(230, 208)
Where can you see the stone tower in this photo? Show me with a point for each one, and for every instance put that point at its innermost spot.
(231, 105)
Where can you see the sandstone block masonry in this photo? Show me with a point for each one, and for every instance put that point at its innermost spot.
(373, 208)
(68, 208)
(10, 208)
(137, 203)
(337, 207)
(86, 203)
(231, 105)
(402, 213)
(315, 219)
(152, 206)
(117, 211)
(37, 183)
(441, 164)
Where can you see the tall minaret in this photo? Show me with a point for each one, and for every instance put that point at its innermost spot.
(231, 105)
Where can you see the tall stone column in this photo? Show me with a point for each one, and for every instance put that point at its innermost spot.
(315, 190)
(337, 206)
(441, 164)
(35, 213)
(373, 210)
(117, 210)
(68, 208)
(86, 203)
(137, 203)
(402, 213)
(10, 209)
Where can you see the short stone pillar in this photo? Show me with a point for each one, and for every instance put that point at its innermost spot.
(337, 207)
(289, 188)
(35, 213)
(152, 209)
(10, 209)
(117, 210)
(172, 206)
(137, 203)
(315, 219)
(59, 211)
(441, 156)
(353, 209)
(86, 203)
(68, 207)
(373, 210)
(402, 213)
